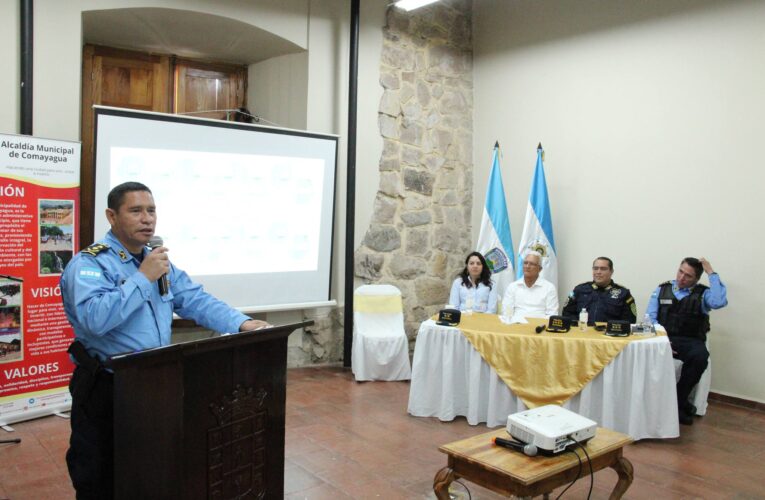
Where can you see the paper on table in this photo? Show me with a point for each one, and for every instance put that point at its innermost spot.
(516, 319)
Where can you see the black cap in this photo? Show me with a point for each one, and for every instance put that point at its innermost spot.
(558, 324)
(617, 328)
(449, 317)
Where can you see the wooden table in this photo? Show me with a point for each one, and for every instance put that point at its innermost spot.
(510, 472)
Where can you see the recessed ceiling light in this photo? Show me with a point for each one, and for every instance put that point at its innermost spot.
(412, 4)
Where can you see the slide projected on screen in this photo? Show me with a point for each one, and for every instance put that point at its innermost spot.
(245, 210)
(274, 204)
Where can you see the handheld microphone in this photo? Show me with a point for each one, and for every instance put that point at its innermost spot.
(156, 242)
(529, 450)
(540, 328)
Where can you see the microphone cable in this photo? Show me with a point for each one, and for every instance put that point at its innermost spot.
(589, 461)
(578, 474)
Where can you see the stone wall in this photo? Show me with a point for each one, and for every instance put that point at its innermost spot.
(420, 230)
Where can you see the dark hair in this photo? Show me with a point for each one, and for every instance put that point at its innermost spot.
(695, 264)
(117, 194)
(485, 277)
(610, 262)
(243, 115)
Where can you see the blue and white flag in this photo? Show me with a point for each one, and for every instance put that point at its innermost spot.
(538, 229)
(495, 241)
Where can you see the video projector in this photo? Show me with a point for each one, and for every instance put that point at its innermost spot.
(549, 427)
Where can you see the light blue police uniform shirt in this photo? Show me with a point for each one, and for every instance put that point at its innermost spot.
(115, 309)
(484, 299)
(715, 297)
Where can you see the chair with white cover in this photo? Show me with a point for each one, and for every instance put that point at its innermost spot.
(380, 346)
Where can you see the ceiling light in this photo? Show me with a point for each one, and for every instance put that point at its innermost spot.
(412, 4)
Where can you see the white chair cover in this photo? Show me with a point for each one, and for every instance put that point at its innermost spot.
(380, 346)
(700, 393)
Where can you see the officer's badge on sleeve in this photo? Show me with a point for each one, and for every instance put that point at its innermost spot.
(633, 307)
(95, 249)
(90, 273)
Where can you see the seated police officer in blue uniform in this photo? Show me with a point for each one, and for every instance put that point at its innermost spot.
(682, 307)
(602, 297)
(113, 301)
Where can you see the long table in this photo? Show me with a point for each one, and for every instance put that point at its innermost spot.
(634, 394)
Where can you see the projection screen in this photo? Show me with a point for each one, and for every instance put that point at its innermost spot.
(245, 210)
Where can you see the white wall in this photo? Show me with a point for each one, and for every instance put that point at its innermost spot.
(651, 116)
(277, 90)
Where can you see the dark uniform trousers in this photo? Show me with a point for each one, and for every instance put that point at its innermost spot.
(695, 357)
(90, 457)
(687, 326)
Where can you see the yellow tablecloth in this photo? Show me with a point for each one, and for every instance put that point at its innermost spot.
(544, 368)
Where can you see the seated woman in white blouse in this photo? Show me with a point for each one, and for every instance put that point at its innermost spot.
(473, 289)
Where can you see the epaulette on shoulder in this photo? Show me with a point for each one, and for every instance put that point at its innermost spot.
(95, 249)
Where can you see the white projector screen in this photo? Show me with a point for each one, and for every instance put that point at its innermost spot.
(245, 210)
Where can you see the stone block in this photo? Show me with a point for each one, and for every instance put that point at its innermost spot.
(382, 238)
(413, 201)
(417, 242)
(446, 238)
(389, 103)
(390, 184)
(431, 291)
(411, 134)
(418, 181)
(388, 126)
(406, 267)
(418, 218)
(389, 80)
(368, 265)
(384, 209)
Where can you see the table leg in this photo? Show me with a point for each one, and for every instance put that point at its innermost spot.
(624, 468)
(441, 483)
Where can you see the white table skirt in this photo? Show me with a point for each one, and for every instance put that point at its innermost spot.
(634, 394)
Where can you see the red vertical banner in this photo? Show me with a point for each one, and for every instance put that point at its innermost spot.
(39, 208)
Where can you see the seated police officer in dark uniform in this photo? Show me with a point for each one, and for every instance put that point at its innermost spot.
(682, 307)
(115, 305)
(603, 299)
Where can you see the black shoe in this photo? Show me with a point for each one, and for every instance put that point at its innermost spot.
(685, 419)
(690, 409)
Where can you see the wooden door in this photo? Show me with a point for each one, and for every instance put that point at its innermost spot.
(119, 78)
(209, 90)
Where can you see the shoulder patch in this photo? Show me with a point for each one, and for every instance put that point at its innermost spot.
(95, 249)
(630, 299)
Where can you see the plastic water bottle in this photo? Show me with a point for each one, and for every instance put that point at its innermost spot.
(583, 318)
(647, 324)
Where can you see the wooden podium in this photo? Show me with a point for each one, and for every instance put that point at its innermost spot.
(202, 419)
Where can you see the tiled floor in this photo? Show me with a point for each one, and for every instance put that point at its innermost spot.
(355, 440)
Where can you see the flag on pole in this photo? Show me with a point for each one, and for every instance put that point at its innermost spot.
(537, 228)
(495, 241)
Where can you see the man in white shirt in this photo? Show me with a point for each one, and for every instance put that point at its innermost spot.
(531, 296)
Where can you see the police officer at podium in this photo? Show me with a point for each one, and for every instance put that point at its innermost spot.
(682, 307)
(602, 297)
(116, 304)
